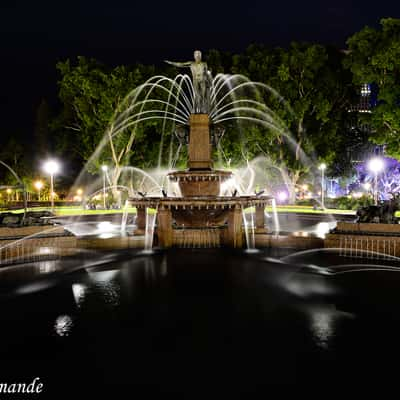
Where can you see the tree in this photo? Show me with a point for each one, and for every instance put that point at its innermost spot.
(374, 57)
(14, 154)
(90, 94)
(315, 96)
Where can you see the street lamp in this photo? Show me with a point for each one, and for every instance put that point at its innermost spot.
(322, 168)
(51, 167)
(104, 168)
(375, 165)
(38, 185)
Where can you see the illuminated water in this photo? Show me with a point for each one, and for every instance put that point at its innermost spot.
(174, 320)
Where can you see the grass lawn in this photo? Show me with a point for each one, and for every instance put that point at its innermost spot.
(310, 210)
(74, 211)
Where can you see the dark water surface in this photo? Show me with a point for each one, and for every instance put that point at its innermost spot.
(186, 320)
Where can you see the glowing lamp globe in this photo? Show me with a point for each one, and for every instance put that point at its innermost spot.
(375, 165)
(51, 167)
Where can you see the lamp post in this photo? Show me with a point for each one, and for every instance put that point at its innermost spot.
(38, 185)
(367, 187)
(104, 168)
(375, 165)
(322, 168)
(51, 167)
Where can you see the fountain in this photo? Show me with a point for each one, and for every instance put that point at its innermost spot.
(201, 211)
(201, 207)
(68, 294)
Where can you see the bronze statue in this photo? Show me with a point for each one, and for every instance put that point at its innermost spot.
(201, 82)
(383, 213)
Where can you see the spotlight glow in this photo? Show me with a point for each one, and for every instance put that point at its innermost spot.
(375, 165)
(282, 196)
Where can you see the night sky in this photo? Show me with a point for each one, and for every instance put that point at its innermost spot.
(35, 35)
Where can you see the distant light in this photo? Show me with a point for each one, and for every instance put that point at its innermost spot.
(367, 186)
(375, 165)
(9, 190)
(365, 89)
(357, 195)
(282, 196)
(38, 185)
(322, 167)
(104, 168)
(305, 187)
(79, 192)
(51, 167)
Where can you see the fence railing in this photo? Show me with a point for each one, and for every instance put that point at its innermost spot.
(368, 247)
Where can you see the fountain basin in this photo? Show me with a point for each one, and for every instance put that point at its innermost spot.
(199, 183)
(201, 211)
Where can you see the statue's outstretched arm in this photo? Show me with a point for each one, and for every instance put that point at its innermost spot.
(179, 64)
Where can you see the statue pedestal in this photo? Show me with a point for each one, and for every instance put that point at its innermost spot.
(199, 143)
(140, 221)
(260, 219)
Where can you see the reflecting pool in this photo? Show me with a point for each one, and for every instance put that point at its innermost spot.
(185, 320)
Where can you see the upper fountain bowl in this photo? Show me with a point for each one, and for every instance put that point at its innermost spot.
(199, 183)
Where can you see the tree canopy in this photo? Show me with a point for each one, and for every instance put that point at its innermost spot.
(310, 88)
(374, 57)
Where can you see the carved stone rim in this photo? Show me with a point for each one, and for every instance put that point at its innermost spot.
(200, 175)
(204, 202)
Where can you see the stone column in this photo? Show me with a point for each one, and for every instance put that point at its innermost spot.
(260, 219)
(235, 231)
(199, 142)
(140, 220)
(165, 232)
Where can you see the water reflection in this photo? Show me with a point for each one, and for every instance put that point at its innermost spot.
(194, 306)
(99, 285)
(63, 325)
(79, 291)
(325, 324)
